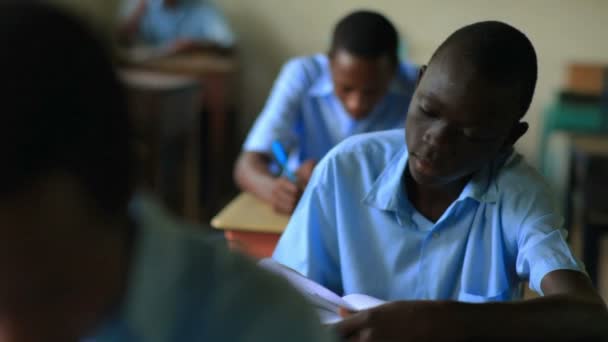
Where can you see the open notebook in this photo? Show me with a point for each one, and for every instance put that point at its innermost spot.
(326, 302)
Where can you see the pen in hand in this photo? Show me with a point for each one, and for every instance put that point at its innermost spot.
(281, 156)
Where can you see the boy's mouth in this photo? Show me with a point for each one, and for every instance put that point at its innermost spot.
(424, 165)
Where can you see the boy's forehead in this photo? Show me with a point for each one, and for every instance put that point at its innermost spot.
(345, 59)
(451, 72)
(455, 85)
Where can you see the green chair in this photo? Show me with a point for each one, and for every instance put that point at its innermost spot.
(570, 117)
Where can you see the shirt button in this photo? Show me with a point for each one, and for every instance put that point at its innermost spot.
(435, 235)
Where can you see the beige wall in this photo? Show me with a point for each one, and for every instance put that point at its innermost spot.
(270, 31)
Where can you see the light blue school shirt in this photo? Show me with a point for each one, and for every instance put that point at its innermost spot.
(182, 287)
(190, 19)
(304, 113)
(355, 230)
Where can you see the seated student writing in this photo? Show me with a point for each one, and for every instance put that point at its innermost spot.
(77, 264)
(448, 213)
(176, 26)
(318, 101)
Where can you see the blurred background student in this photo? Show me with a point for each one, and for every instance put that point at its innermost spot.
(359, 86)
(175, 26)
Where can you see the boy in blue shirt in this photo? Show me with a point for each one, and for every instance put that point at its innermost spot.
(77, 261)
(448, 225)
(318, 101)
(176, 26)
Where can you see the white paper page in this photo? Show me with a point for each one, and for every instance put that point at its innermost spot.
(328, 317)
(314, 292)
(356, 301)
(362, 302)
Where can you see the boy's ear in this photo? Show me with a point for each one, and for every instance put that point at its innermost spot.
(519, 129)
(421, 72)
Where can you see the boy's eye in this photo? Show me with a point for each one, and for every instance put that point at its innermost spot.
(427, 112)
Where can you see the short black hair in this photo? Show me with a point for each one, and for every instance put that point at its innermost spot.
(366, 34)
(62, 105)
(501, 53)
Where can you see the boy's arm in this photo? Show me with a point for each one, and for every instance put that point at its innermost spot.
(185, 46)
(213, 26)
(570, 311)
(129, 26)
(252, 175)
(208, 31)
(276, 122)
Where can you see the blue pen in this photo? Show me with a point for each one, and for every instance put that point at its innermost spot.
(281, 156)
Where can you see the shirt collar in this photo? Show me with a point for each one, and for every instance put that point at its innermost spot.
(388, 191)
(323, 85)
(480, 187)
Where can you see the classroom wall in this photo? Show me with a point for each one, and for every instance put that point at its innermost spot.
(271, 31)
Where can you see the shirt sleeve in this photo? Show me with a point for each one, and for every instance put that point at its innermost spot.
(541, 240)
(257, 305)
(281, 314)
(410, 72)
(278, 118)
(309, 244)
(126, 8)
(213, 26)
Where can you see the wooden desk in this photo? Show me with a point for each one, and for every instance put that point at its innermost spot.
(165, 112)
(250, 225)
(215, 75)
(588, 175)
(190, 64)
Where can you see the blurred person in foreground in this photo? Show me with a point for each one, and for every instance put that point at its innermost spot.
(82, 257)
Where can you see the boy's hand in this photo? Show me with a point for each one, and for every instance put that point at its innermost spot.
(128, 30)
(395, 321)
(346, 313)
(285, 196)
(181, 46)
(304, 172)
